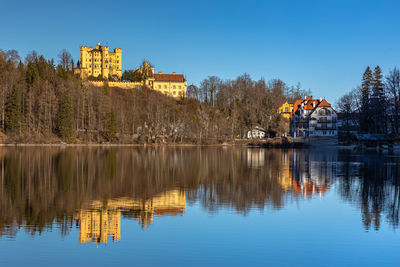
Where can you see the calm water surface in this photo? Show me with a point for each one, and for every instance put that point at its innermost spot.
(198, 206)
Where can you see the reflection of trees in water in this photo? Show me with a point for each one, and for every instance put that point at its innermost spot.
(43, 185)
(371, 181)
(40, 186)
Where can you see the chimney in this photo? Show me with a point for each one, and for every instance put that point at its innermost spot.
(173, 73)
(313, 104)
(159, 72)
(320, 99)
(305, 97)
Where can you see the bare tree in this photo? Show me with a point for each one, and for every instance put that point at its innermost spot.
(347, 105)
(193, 91)
(65, 59)
(392, 84)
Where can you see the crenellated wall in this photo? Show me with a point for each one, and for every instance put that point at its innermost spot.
(123, 85)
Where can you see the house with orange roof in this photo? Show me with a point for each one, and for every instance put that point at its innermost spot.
(313, 118)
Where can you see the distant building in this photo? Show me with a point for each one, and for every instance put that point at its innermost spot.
(312, 118)
(286, 109)
(99, 61)
(257, 133)
(167, 84)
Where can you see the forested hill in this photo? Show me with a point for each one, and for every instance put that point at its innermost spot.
(44, 103)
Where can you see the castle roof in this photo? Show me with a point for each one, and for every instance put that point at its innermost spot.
(169, 77)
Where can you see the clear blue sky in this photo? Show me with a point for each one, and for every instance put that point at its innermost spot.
(325, 45)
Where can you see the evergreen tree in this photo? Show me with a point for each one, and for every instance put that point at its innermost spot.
(13, 111)
(65, 118)
(111, 133)
(378, 102)
(366, 84)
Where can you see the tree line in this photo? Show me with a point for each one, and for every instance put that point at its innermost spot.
(374, 105)
(42, 102)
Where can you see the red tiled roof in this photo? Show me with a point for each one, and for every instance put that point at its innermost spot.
(324, 103)
(169, 77)
(296, 105)
(309, 105)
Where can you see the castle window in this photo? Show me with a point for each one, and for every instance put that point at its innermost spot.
(174, 87)
(165, 86)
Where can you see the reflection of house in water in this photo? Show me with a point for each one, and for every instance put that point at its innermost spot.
(103, 220)
(255, 157)
(307, 173)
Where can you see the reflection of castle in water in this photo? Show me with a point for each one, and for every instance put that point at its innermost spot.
(307, 173)
(103, 220)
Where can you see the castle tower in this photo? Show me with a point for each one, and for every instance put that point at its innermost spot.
(118, 62)
(104, 61)
(100, 62)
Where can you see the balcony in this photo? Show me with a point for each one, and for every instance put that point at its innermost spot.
(326, 121)
(325, 127)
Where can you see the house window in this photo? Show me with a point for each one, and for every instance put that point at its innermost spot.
(286, 109)
(174, 87)
(165, 86)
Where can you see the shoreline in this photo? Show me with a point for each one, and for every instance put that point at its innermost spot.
(111, 145)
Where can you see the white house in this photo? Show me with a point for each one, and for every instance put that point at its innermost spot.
(256, 133)
(313, 117)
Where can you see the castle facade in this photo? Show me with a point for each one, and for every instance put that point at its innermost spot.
(99, 61)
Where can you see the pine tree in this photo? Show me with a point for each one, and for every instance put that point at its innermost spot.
(365, 100)
(111, 133)
(378, 102)
(13, 111)
(65, 118)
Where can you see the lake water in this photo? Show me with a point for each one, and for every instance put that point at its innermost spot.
(198, 206)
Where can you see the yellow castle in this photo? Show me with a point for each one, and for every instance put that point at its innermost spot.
(99, 61)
